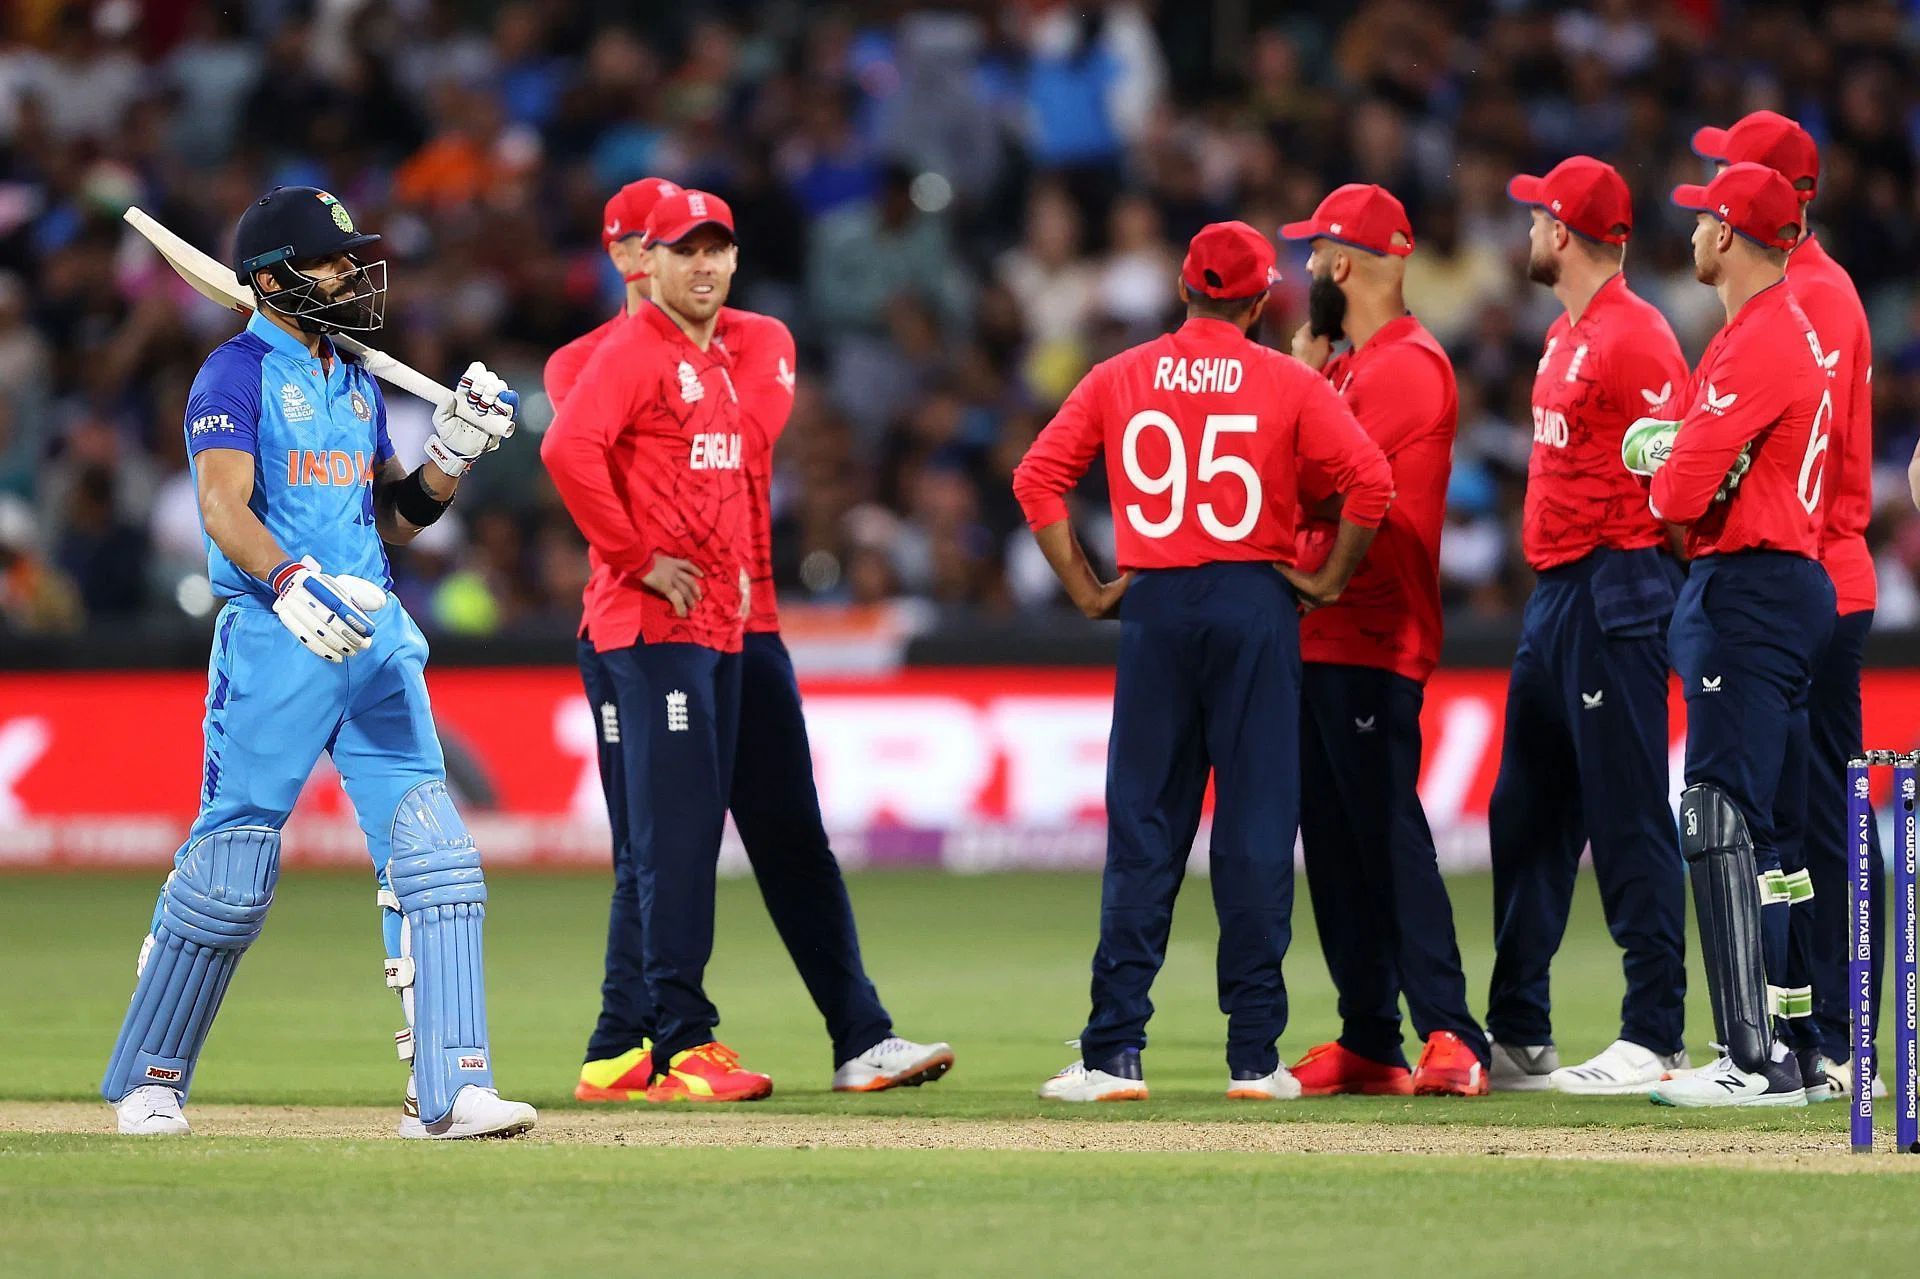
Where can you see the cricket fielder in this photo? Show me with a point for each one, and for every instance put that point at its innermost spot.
(1742, 471)
(772, 797)
(1206, 437)
(1815, 1013)
(298, 488)
(1584, 755)
(1385, 921)
(658, 478)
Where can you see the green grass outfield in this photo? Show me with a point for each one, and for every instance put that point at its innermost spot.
(997, 965)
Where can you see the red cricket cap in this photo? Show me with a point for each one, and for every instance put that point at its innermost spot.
(1588, 195)
(1769, 138)
(1230, 260)
(680, 214)
(627, 210)
(1360, 215)
(1756, 201)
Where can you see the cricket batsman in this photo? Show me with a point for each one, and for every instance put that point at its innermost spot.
(1385, 922)
(772, 795)
(1743, 472)
(1206, 436)
(1584, 756)
(298, 488)
(1815, 1017)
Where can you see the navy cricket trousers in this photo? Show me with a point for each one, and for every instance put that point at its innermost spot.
(1386, 925)
(1584, 761)
(1821, 933)
(1746, 634)
(777, 812)
(1208, 680)
(676, 716)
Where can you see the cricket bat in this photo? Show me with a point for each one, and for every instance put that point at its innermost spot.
(214, 281)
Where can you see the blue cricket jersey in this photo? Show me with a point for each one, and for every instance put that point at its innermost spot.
(317, 441)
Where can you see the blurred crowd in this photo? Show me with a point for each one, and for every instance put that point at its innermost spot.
(957, 208)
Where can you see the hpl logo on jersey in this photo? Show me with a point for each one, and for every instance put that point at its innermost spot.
(331, 467)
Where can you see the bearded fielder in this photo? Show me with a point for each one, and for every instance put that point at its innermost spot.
(298, 489)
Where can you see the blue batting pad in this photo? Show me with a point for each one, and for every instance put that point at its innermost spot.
(435, 872)
(211, 910)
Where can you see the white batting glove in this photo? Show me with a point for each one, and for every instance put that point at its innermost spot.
(473, 420)
(327, 614)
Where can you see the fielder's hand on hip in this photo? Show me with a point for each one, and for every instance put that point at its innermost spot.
(677, 579)
(473, 420)
(329, 615)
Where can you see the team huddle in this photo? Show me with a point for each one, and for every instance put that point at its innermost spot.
(1278, 520)
(1710, 522)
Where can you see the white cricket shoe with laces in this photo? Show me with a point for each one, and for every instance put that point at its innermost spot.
(1119, 1079)
(151, 1110)
(1621, 1068)
(1725, 1084)
(893, 1063)
(477, 1112)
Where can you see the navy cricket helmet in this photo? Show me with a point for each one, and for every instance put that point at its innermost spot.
(290, 225)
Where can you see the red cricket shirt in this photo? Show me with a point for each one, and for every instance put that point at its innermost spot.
(1400, 386)
(565, 365)
(1762, 380)
(763, 357)
(1205, 434)
(1822, 288)
(647, 453)
(1619, 363)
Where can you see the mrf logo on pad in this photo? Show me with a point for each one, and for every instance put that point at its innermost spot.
(473, 1061)
(160, 1074)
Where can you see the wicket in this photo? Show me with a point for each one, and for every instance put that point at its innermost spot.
(1906, 948)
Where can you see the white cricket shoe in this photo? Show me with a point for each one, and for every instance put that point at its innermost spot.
(477, 1112)
(1622, 1067)
(1521, 1067)
(151, 1110)
(1840, 1080)
(893, 1063)
(1079, 1083)
(1279, 1086)
(1725, 1084)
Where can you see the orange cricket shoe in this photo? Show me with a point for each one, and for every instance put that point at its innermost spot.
(710, 1072)
(1448, 1068)
(622, 1078)
(1329, 1069)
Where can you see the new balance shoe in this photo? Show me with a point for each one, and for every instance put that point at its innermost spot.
(622, 1078)
(709, 1072)
(893, 1063)
(1522, 1067)
(151, 1110)
(476, 1112)
(1119, 1078)
(1330, 1069)
(1725, 1084)
(1278, 1086)
(1449, 1068)
(1621, 1068)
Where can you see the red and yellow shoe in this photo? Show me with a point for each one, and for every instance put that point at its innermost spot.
(1448, 1068)
(1329, 1070)
(710, 1072)
(622, 1078)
